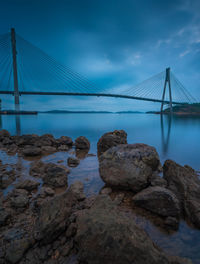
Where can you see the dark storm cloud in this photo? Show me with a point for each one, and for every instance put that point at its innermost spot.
(117, 43)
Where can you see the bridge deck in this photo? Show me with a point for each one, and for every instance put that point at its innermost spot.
(92, 94)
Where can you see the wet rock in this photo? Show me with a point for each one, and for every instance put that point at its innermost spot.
(106, 235)
(30, 151)
(55, 175)
(45, 140)
(73, 162)
(19, 198)
(158, 200)
(63, 148)
(111, 139)
(77, 189)
(81, 153)
(37, 168)
(184, 182)
(28, 185)
(7, 176)
(64, 141)
(26, 140)
(82, 143)
(53, 215)
(129, 166)
(48, 149)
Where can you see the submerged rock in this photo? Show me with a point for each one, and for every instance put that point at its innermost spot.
(106, 235)
(73, 162)
(82, 143)
(184, 182)
(158, 200)
(111, 139)
(129, 166)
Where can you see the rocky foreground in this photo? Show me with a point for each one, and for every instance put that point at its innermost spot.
(40, 225)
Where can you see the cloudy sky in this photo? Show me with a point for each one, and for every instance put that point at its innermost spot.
(115, 43)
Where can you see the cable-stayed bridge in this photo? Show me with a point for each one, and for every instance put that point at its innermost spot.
(27, 70)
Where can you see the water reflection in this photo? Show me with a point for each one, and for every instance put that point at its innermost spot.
(165, 124)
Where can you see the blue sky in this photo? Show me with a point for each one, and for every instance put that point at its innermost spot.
(115, 43)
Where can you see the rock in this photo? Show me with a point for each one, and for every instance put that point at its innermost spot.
(77, 189)
(63, 148)
(111, 139)
(17, 244)
(156, 180)
(4, 133)
(46, 140)
(64, 141)
(7, 177)
(184, 182)
(55, 175)
(31, 151)
(26, 140)
(19, 198)
(47, 191)
(53, 215)
(106, 190)
(37, 168)
(82, 143)
(73, 162)
(48, 149)
(106, 235)
(172, 223)
(28, 185)
(128, 166)
(158, 200)
(4, 216)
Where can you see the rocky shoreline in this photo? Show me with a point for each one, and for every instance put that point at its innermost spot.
(39, 224)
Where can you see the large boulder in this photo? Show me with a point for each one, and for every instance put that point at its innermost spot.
(64, 140)
(184, 182)
(129, 166)
(111, 139)
(106, 235)
(158, 200)
(82, 143)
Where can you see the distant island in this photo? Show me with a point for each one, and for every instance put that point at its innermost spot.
(182, 110)
(87, 112)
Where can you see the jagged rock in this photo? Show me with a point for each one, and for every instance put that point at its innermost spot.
(106, 235)
(31, 151)
(73, 162)
(53, 214)
(184, 182)
(28, 185)
(158, 200)
(82, 143)
(111, 139)
(129, 166)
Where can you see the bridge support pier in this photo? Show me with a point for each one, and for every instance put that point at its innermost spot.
(15, 77)
(167, 81)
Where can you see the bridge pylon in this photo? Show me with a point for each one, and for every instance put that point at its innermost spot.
(15, 77)
(167, 81)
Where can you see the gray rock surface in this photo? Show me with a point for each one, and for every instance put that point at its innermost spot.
(129, 166)
(82, 143)
(111, 139)
(158, 200)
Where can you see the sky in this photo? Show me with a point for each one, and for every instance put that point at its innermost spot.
(115, 43)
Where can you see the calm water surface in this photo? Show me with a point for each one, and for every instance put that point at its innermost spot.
(176, 138)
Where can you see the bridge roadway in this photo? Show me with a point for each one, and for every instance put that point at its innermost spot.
(93, 94)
